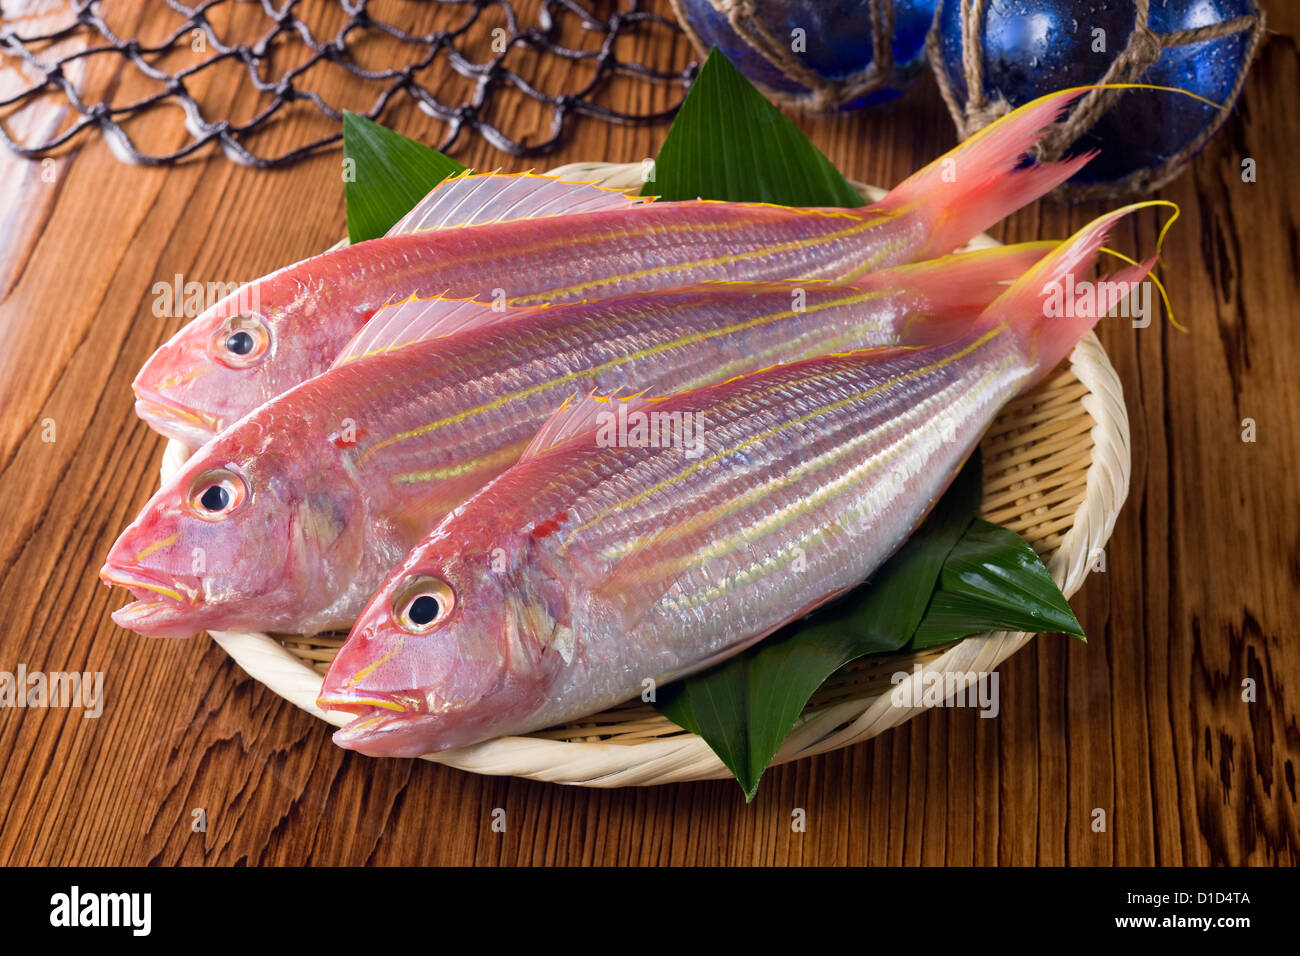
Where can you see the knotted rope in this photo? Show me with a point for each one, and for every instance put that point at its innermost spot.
(824, 92)
(1144, 47)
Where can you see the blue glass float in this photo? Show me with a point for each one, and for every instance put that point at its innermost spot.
(1032, 47)
(836, 52)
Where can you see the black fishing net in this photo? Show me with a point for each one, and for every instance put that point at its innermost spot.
(514, 73)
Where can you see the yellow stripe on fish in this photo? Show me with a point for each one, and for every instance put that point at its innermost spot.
(164, 543)
(792, 245)
(783, 426)
(496, 461)
(873, 261)
(372, 667)
(164, 591)
(181, 378)
(571, 377)
(745, 536)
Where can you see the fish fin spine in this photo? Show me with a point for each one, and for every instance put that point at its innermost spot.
(475, 199)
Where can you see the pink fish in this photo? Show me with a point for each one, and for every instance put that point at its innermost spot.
(593, 566)
(527, 240)
(290, 519)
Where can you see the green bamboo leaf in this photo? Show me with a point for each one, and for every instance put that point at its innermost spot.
(745, 707)
(728, 142)
(955, 577)
(389, 175)
(994, 581)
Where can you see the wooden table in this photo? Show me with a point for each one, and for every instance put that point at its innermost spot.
(1146, 722)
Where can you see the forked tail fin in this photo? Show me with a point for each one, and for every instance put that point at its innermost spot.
(1053, 304)
(984, 179)
(953, 291)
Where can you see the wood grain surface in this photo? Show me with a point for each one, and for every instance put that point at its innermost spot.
(1146, 722)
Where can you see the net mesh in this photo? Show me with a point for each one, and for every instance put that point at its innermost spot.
(515, 74)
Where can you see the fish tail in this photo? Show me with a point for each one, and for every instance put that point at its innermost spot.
(983, 180)
(1052, 305)
(954, 290)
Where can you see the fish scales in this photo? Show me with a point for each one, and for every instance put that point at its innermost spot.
(488, 394)
(592, 570)
(841, 491)
(628, 250)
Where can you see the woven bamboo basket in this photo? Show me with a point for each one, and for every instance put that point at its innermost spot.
(1056, 470)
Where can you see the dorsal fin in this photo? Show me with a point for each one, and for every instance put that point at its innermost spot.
(579, 415)
(473, 199)
(413, 320)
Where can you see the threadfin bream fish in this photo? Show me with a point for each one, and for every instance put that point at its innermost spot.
(588, 568)
(528, 239)
(290, 519)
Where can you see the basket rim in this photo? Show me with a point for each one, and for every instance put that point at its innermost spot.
(686, 756)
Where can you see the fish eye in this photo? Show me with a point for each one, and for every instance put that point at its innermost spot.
(423, 604)
(216, 498)
(241, 343)
(241, 340)
(217, 493)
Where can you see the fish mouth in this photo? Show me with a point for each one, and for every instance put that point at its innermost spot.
(364, 704)
(383, 725)
(174, 420)
(161, 608)
(377, 732)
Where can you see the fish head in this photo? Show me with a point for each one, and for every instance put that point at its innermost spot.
(451, 646)
(244, 536)
(230, 359)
